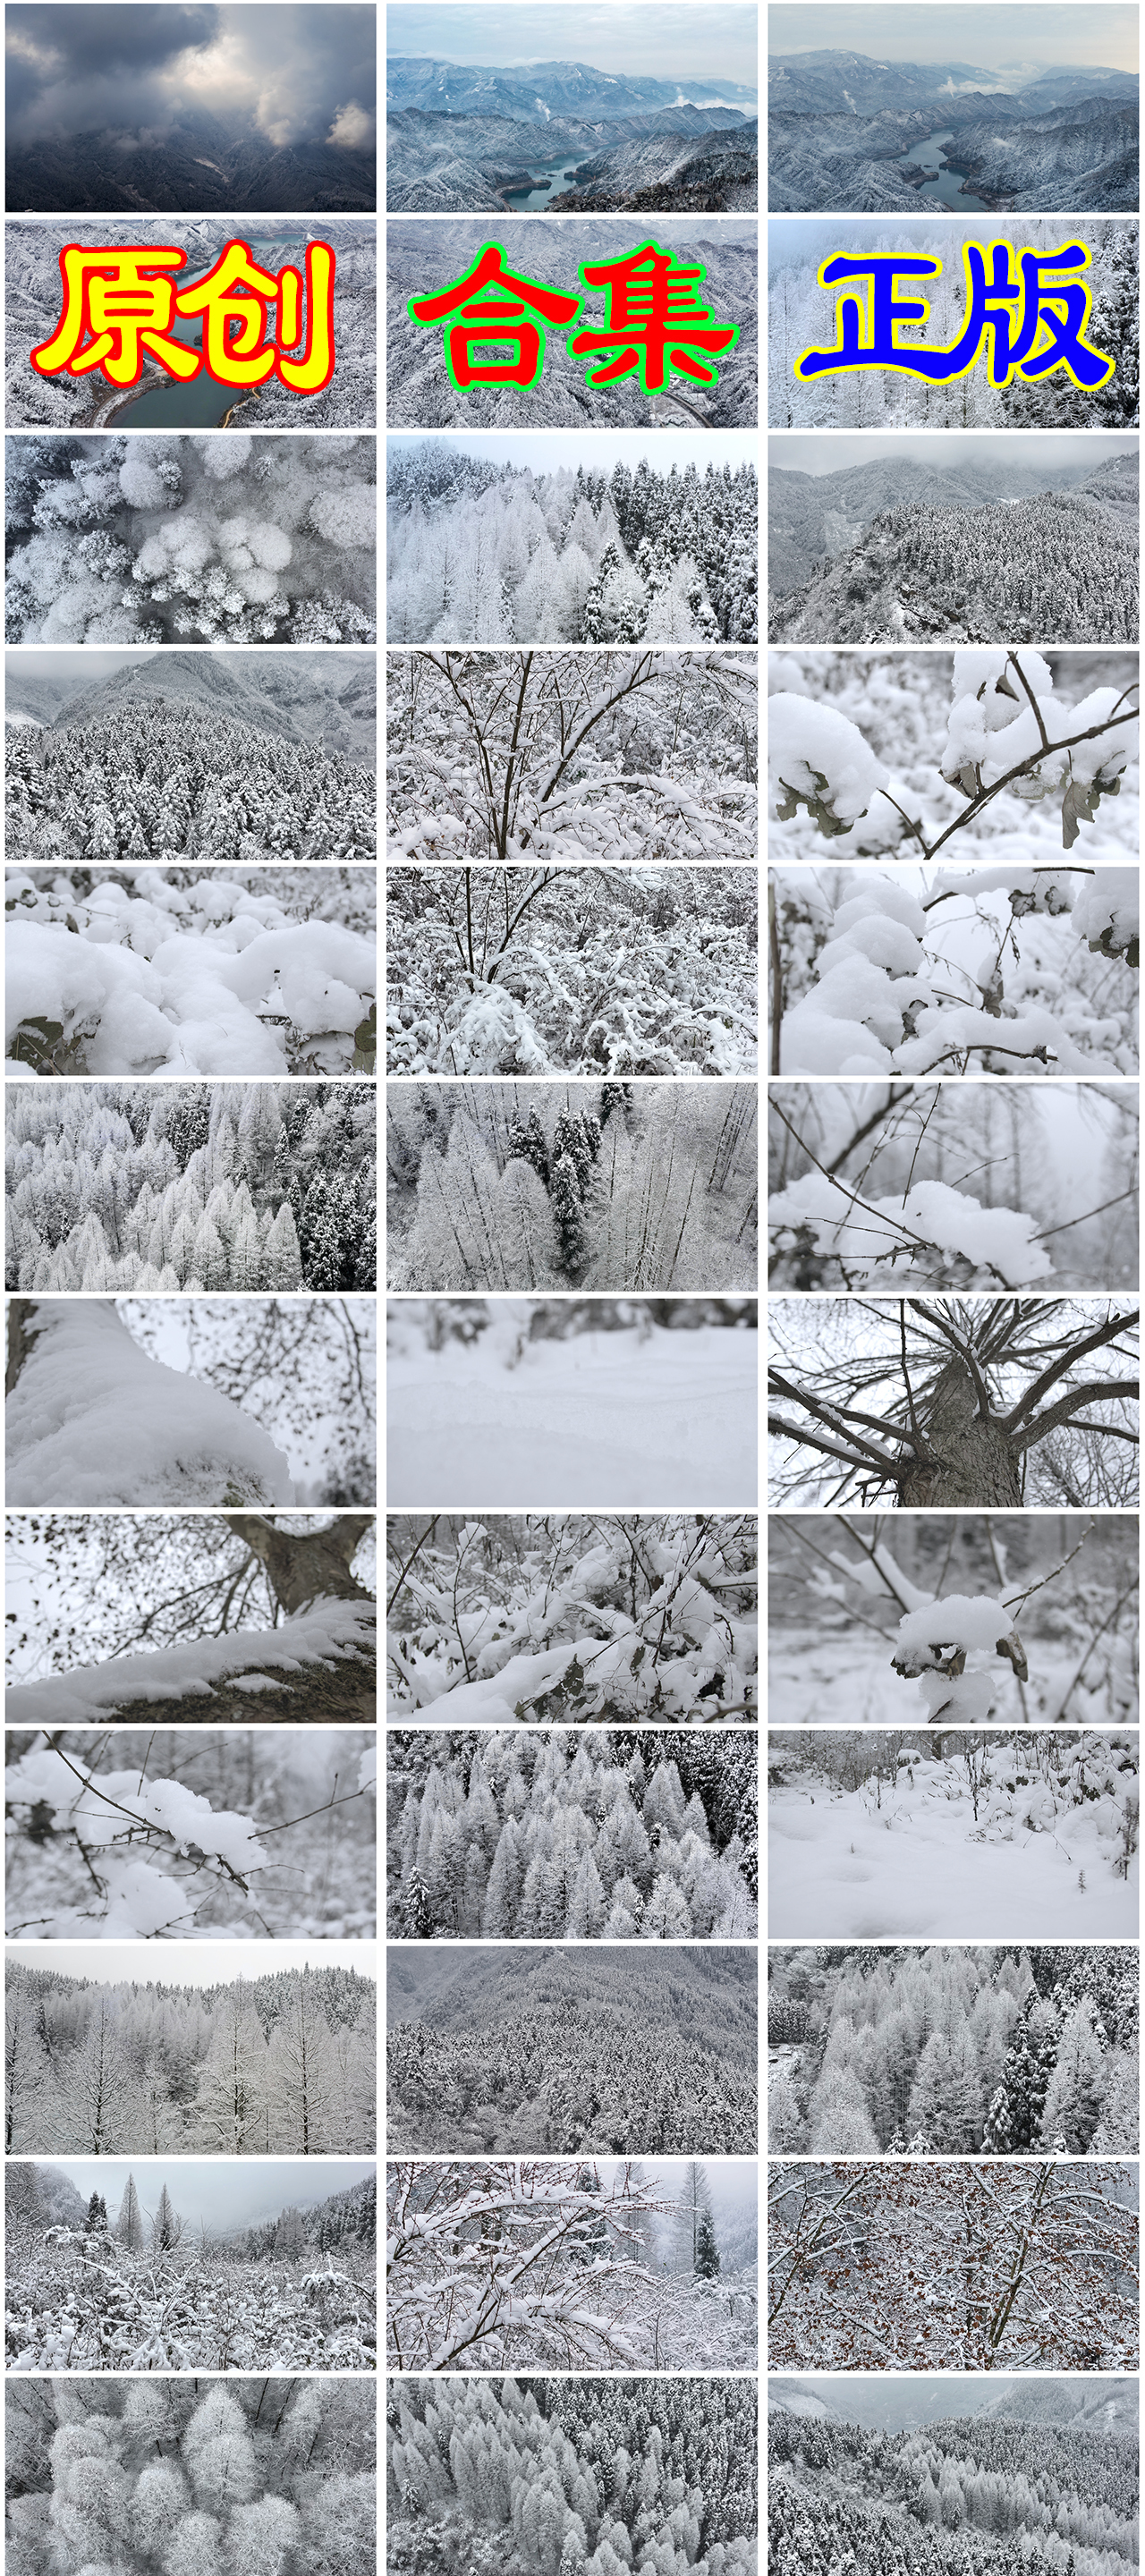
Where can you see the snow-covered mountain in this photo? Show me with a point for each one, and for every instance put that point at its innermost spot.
(839, 125)
(421, 391)
(1086, 2404)
(537, 92)
(202, 164)
(302, 697)
(711, 171)
(811, 515)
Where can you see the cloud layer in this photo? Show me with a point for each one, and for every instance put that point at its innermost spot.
(297, 74)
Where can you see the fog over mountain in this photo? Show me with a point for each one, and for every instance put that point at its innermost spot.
(894, 2403)
(843, 127)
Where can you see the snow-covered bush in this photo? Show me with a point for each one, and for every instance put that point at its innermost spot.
(511, 1616)
(143, 970)
(617, 971)
(208, 538)
(259, 1186)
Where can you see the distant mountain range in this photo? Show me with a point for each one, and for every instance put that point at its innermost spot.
(839, 124)
(537, 92)
(459, 136)
(302, 697)
(1089, 2405)
(812, 515)
(203, 166)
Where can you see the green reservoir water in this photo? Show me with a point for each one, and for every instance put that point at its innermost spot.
(201, 403)
(942, 186)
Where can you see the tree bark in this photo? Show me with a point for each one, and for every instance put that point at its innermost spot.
(970, 1463)
(304, 1569)
(20, 1309)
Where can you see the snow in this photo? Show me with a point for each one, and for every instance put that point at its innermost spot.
(880, 1239)
(208, 1000)
(92, 1420)
(958, 1619)
(602, 1420)
(324, 1633)
(844, 1867)
(817, 754)
(1110, 903)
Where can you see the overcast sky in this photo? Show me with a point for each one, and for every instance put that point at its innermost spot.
(222, 2191)
(547, 450)
(646, 37)
(829, 451)
(805, 241)
(295, 73)
(1019, 38)
(183, 1963)
(899, 2401)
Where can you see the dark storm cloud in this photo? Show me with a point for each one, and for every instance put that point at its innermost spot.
(292, 72)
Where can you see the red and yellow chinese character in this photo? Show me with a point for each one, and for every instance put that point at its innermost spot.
(654, 322)
(119, 307)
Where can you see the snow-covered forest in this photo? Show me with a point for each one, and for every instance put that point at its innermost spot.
(82, 1863)
(571, 1835)
(633, 755)
(933, 1401)
(182, 970)
(1003, 2052)
(608, 970)
(160, 2273)
(802, 317)
(873, 1185)
(277, 2476)
(930, 749)
(547, 2051)
(567, 2265)
(1063, 1642)
(484, 553)
(109, 1615)
(561, 1402)
(145, 1402)
(571, 1185)
(983, 2490)
(275, 2063)
(1059, 565)
(165, 775)
(422, 392)
(32, 309)
(186, 1186)
(953, 2266)
(607, 2474)
(149, 539)
(881, 1836)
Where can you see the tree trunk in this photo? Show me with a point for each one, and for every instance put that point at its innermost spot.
(304, 1569)
(970, 1465)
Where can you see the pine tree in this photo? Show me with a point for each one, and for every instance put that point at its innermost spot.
(707, 2262)
(129, 2224)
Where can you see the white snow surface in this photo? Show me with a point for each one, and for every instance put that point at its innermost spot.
(864, 1235)
(808, 743)
(605, 1420)
(841, 1867)
(92, 1420)
(959, 1619)
(192, 1003)
(323, 1633)
(1110, 900)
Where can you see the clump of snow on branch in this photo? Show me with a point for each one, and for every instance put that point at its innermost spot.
(254, 1659)
(878, 1239)
(92, 1420)
(818, 758)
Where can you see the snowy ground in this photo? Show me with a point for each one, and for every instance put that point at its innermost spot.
(843, 1867)
(604, 1420)
(818, 1679)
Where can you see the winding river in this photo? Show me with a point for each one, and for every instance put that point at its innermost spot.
(942, 186)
